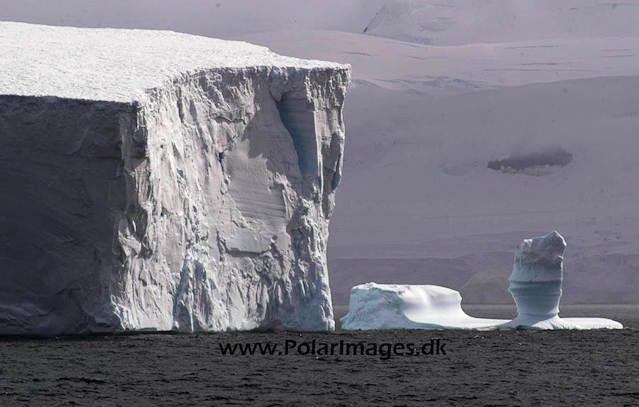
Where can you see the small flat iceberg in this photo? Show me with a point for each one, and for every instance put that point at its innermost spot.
(393, 306)
(535, 285)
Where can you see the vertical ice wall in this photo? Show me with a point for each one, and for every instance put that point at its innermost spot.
(61, 184)
(236, 201)
(200, 204)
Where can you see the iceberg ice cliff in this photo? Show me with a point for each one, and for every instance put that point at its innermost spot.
(160, 181)
(535, 285)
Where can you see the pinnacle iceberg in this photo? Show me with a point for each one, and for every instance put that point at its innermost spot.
(535, 285)
(161, 181)
(535, 282)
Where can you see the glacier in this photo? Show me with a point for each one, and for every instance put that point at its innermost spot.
(159, 181)
(535, 285)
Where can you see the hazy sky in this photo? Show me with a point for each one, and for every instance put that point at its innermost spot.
(218, 18)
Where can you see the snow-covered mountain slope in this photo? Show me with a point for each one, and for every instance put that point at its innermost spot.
(153, 180)
(446, 71)
(425, 199)
(457, 22)
(213, 18)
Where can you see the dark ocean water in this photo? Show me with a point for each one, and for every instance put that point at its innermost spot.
(505, 368)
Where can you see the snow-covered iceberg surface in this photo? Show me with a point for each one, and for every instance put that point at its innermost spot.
(535, 285)
(393, 306)
(160, 181)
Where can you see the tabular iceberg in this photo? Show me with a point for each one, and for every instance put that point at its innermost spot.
(159, 181)
(535, 285)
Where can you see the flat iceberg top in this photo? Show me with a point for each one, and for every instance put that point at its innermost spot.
(117, 64)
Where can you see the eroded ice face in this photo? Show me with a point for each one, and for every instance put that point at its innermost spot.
(189, 189)
(535, 282)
